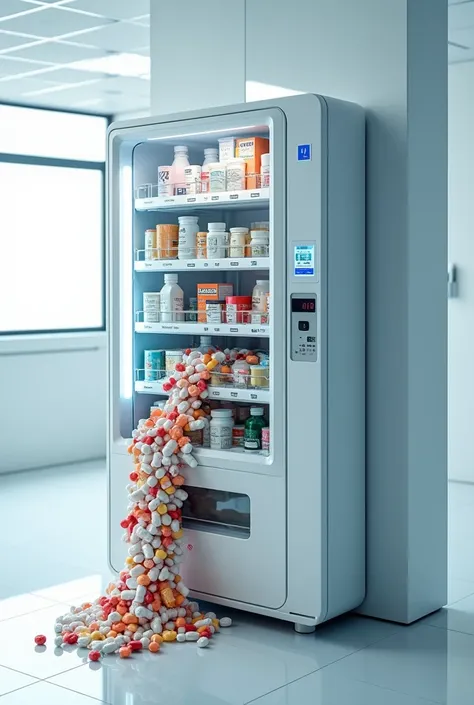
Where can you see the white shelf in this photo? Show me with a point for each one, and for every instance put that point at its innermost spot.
(246, 330)
(261, 396)
(250, 198)
(176, 265)
(206, 456)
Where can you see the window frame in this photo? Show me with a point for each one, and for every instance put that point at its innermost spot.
(73, 164)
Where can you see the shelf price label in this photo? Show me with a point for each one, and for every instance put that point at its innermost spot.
(254, 396)
(190, 264)
(234, 263)
(217, 264)
(253, 263)
(233, 330)
(234, 395)
(260, 331)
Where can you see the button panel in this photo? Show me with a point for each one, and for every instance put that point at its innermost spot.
(304, 328)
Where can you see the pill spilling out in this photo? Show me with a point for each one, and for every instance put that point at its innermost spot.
(148, 603)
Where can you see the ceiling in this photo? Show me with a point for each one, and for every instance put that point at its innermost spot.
(41, 40)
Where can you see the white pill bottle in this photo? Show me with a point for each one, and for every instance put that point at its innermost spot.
(222, 424)
(211, 155)
(188, 229)
(171, 299)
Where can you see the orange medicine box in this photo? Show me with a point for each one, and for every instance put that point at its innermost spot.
(251, 149)
(211, 292)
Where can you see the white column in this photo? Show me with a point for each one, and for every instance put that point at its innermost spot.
(197, 54)
(391, 57)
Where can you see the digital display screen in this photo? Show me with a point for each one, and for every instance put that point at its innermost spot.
(303, 305)
(304, 260)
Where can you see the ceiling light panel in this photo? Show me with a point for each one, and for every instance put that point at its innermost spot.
(9, 40)
(53, 22)
(117, 65)
(119, 36)
(56, 52)
(116, 9)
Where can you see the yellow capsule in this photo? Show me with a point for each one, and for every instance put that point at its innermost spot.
(97, 636)
(170, 490)
(177, 534)
(211, 364)
(169, 635)
(129, 560)
(215, 623)
(162, 509)
(159, 553)
(157, 638)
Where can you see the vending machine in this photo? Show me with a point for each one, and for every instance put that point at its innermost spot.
(241, 230)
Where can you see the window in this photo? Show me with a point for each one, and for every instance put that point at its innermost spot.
(52, 267)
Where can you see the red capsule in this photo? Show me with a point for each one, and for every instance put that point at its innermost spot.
(173, 415)
(180, 367)
(135, 645)
(133, 476)
(188, 352)
(40, 640)
(94, 655)
(153, 491)
(72, 639)
(149, 440)
(149, 597)
(190, 628)
(166, 387)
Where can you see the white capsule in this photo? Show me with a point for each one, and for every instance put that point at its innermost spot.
(170, 626)
(225, 622)
(175, 525)
(152, 481)
(144, 612)
(145, 642)
(156, 625)
(202, 623)
(97, 645)
(110, 647)
(140, 594)
(131, 583)
(192, 636)
(162, 497)
(202, 642)
(182, 637)
(146, 468)
(115, 617)
(139, 558)
(166, 520)
(148, 551)
(128, 594)
(134, 549)
(182, 589)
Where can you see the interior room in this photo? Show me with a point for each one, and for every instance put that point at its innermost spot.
(251, 377)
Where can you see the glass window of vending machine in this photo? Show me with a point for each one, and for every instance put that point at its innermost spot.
(218, 242)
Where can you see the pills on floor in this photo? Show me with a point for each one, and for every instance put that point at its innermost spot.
(148, 604)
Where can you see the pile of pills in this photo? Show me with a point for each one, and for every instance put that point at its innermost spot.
(149, 604)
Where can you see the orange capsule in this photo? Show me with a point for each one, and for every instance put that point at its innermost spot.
(112, 633)
(180, 622)
(154, 647)
(156, 639)
(155, 605)
(149, 564)
(178, 480)
(179, 600)
(119, 627)
(132, 627)
(125, 652)
(143, 580)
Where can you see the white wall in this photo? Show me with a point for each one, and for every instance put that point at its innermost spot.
(390, 56)
(461, 253)
(52, 400)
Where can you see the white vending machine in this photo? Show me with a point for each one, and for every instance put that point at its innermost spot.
(255, 213)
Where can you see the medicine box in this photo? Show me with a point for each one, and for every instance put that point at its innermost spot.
(251, 149)
(211, 292)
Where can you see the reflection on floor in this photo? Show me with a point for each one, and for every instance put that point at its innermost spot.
(352, 661)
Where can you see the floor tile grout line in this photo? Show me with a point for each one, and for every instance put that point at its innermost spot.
(448, 629)
(22, 687)
(15, 670)
(316, 670)
(77, 692)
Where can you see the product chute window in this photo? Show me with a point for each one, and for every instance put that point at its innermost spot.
(217, 511)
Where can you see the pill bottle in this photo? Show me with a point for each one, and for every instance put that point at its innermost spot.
(171, 358)
(217, 241)
(259, 240)
(266, 439)
(192, 178)
(180, 163)
(215, 311)
(237, 242)
(201, 245)
(205, 344)
(235, 175)
(151, 307)
(171, 299)
(217, 172)
(259, 295)
(238, 436)
(153, 362)
(165, 187)
(221, 429)
(237, 308)
(259, 376)
(265, 171)
(192, 306)
(211, 156)
(226, 148)
(167, 241)
(253, 429)
(188, 229)
(151, 251)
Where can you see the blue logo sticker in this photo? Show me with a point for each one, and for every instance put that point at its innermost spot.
(304, 152)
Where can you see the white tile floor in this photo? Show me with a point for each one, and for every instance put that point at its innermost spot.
(352, 661)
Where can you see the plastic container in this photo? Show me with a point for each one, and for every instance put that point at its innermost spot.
(235, 175)
(266, 439)
(236, 308)
(259, 242)
(167, 241)
(259, 376)
(253, 429)
(217, 177)
(217, 241)
(237, 242)
(238, 433)
(240, 373)
(201, 245)
(154, 364)
(151, 307)
(222, 424)
(151, 251)
(193, 306)
(265, 170)
(165, 186)
(178, 167)
(226, 148)
(171, 358)
(211, 156)
(192, 177)
(171, 299)
(188, 229)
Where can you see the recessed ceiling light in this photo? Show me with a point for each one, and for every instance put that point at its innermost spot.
(131, 65)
